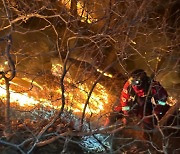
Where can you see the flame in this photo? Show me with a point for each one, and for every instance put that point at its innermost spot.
(75, 99)
(33, 82)
(23, 98)
(3, 66)
(105, 74)
(99, 98)
(81, 10)
(67, 3)
(76, 95)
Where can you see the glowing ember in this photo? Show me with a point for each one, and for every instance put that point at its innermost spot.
(56, 68)
(3, 66)
(105, 74)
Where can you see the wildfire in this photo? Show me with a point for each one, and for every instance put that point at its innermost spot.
(81, 10)
(105, 74)
(97, 100)
(75, 99)
(76, 94)
(23, 99)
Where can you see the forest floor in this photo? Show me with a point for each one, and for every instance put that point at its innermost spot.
(63, 136)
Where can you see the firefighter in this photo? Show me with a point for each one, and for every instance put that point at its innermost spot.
(141, 97)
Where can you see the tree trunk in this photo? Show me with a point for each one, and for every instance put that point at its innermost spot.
(7, 108)
(74, 8)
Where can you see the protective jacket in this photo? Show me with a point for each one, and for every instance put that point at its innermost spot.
(143, 101)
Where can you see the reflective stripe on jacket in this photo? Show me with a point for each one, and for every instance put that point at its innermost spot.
(157, 92)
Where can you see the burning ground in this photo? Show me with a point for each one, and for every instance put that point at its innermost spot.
(32, 114)
(63, 64)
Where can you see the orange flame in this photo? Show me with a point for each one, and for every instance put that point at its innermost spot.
(81, 10)
(75, 99)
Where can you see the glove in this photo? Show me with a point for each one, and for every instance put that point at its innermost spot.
(124, 120)
(107, 122)
(112, 118)
(117, 108)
